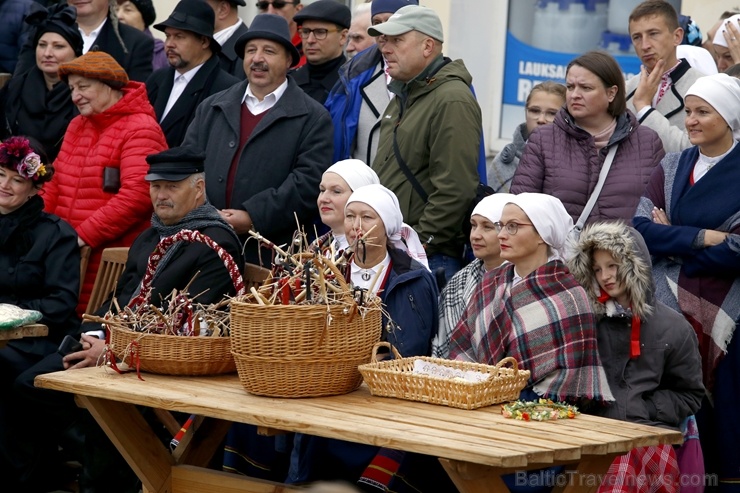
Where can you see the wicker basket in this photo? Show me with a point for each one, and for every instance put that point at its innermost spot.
(172, 354)
(303, 350)
(394, 378)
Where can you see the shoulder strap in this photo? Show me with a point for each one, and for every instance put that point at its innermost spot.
(597, 190)
(405, 169)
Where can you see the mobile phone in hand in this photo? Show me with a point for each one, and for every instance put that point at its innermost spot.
(69, 345)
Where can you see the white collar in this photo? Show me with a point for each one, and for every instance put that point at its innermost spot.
(89, 39)
(188, 76)
(224, 34)
(256, 106)
(362, 278)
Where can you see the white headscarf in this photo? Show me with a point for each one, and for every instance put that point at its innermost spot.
(399, 234)
(698, 57)
(355, 172)
(722, 92)
(549, 217)
(719, 36)
(492, 206)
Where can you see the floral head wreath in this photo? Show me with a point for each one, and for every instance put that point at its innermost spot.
(16, 153)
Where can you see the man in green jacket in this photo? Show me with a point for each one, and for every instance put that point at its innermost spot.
(429, 135)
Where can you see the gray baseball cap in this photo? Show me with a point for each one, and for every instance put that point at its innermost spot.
(411, 18)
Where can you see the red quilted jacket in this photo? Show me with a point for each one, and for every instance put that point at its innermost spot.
(120, 137)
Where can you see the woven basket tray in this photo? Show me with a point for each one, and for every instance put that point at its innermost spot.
(172, 354)
(394, 378)
(293, 377)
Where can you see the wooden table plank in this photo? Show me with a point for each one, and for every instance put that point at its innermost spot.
(31, 330)
(482, 436)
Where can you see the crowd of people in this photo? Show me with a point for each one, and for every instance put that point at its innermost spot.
(605, 260)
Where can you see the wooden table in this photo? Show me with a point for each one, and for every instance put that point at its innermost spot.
(32, 330)
(475, 447)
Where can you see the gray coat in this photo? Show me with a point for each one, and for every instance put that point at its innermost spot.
(280, 166)
(663, 385)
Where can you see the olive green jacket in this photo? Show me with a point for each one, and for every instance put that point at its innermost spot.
(438, 136)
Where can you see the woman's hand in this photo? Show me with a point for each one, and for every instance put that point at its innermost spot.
(660, 217)
(92, 349)
(732, 37)
(714, 238)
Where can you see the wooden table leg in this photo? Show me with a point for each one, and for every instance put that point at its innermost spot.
(201, 442)
(587, 475)
(478, 483)
(135, 440)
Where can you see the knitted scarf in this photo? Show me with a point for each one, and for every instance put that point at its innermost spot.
(545, 322)
(198, 219)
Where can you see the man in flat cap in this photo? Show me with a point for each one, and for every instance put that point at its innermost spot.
(267, 143)
(194, 72)
(228, 29)
(323, 27)
(361, 94)
(177, 191)
(430, 133)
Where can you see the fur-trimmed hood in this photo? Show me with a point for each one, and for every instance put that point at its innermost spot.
(629, 249)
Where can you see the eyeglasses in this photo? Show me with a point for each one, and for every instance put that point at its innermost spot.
(277, 4)
(535, 113)
(510, 228)
(319, 33)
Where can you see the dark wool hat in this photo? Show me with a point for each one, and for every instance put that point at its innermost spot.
(272, 27)
(145, 8)
(239, 2)
(389, 6)
(96, 65)
(175, 164)
(60, 19)
(195, 16)
(325, 10)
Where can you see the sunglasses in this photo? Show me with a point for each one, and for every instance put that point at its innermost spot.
(277, 4)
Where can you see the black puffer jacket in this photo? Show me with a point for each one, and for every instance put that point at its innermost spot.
(663, 385)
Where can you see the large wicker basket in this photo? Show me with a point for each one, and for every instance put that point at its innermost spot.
(303, 350)
(395, 378)
(173, 354)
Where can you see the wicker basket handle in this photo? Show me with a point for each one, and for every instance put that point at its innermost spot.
(508, 359)
(388, 345)
(192, 237)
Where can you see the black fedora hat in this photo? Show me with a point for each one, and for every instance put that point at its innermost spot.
(175, 164)
(272, 27)
(325, 10)
(195, 16)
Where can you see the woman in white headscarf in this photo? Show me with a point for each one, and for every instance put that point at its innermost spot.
(390, 261)
(458, 291)
(533, 309)
(337, 184)
(689, 216)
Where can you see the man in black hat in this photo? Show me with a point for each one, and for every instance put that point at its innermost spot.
(194, 72)
(323, 27)
(267, 143)
(228, 29)
(177, 191)
(286, 9)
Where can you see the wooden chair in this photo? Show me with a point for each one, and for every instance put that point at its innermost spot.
(111, 267)
(254, 275)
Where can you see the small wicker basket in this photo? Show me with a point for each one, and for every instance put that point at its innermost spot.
(173, 354)
(395, 378)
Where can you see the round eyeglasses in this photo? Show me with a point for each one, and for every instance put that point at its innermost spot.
(510, 228)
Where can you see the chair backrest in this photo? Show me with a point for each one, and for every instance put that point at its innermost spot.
(84, 260)
(111, 267)
(254, 275)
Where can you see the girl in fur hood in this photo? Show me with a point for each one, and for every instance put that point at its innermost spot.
(650, 352)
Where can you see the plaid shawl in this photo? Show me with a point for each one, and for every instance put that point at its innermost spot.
(643, 470)
(452, 303)
(545, 322)
(702, 285)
